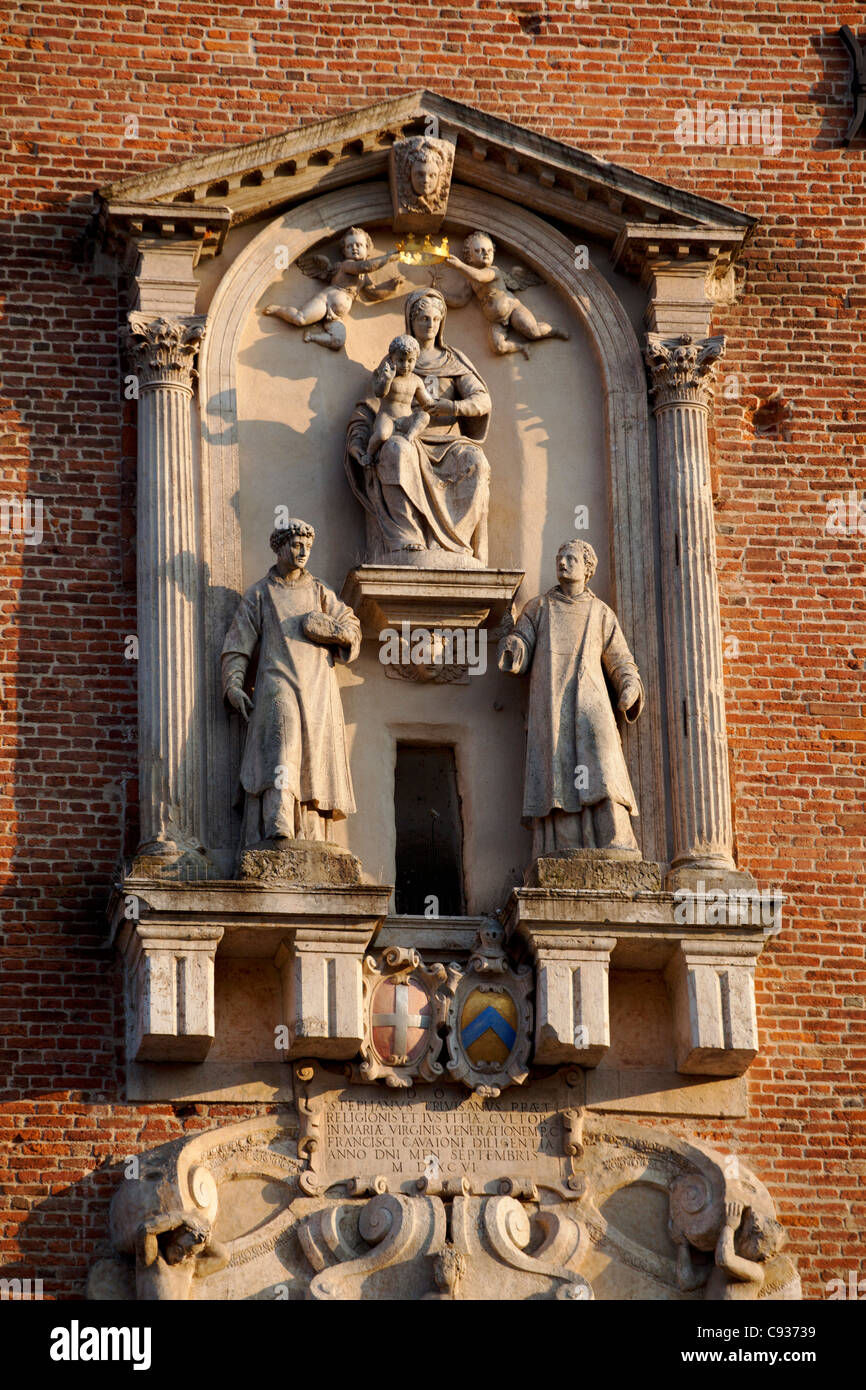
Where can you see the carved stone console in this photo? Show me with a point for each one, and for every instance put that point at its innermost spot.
(320, 973)
(171, 936)
(574, 937)
(713, 987)
(360, 1193)
(170, 989)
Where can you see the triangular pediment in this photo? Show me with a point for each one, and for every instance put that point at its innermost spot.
(235, 184)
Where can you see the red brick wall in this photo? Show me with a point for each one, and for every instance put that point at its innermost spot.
(609, 78)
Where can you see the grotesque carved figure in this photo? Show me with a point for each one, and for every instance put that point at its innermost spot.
(577, 791)
(295, 770)
(738, 1227)
(449, 1268)
(493, 288)
(171, 1250)
(170, 1243)
(346, 279)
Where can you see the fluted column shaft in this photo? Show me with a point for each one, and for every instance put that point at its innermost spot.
(161, 353)
(681, 372)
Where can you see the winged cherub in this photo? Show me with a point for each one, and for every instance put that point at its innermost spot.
(346, 279)
(493, 288)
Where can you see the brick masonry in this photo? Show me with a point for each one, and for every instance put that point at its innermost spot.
(789, 434)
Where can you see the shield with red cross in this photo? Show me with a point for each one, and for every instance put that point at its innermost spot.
(400, 1018)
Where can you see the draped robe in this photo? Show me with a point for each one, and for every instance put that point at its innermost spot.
(295, 740)
(571, 643)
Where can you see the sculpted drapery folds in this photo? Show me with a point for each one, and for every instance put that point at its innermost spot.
(577, 791)
(295, 770)
(430, 492)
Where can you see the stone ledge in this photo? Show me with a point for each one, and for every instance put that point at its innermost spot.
(168, 935)
(635, 1091)
(255, 915)
(384, 596)
(645, 1092)
(573, 936)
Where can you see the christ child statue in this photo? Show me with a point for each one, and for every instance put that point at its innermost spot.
(402, 394)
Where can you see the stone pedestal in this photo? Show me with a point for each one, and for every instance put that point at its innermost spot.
(713, 989)
(434, 595)
(307, 862)
(614, 870)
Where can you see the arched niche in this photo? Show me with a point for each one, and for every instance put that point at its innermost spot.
(631, 508)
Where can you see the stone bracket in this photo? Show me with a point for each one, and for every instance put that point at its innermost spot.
(170, 990)
(322, 989)
(572, 1013)
(712, 985)
(574, 936)
(388, 596)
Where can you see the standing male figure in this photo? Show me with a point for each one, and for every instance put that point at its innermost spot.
(295, 771)
(577, 792)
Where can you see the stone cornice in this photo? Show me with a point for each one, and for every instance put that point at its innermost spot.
(122, 222)
(640, 247)
(601, 199)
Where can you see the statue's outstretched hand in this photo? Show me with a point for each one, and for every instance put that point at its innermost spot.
(240, 700)
(511, 655)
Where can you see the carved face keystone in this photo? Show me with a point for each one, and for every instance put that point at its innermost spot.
(424, 173)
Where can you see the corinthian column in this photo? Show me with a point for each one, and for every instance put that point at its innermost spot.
(681, 372)
(161, 353)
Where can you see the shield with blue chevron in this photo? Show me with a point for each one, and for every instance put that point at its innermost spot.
(488, 1025)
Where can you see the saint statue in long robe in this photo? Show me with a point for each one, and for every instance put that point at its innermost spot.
(577, 791)
(295, 769)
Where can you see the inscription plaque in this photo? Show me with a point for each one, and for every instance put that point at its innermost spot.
(435, 1135)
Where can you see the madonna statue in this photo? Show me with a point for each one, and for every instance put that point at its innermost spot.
(426, 497)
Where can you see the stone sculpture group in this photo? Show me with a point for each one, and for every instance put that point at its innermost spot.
(415, 462)
(449, 1087)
